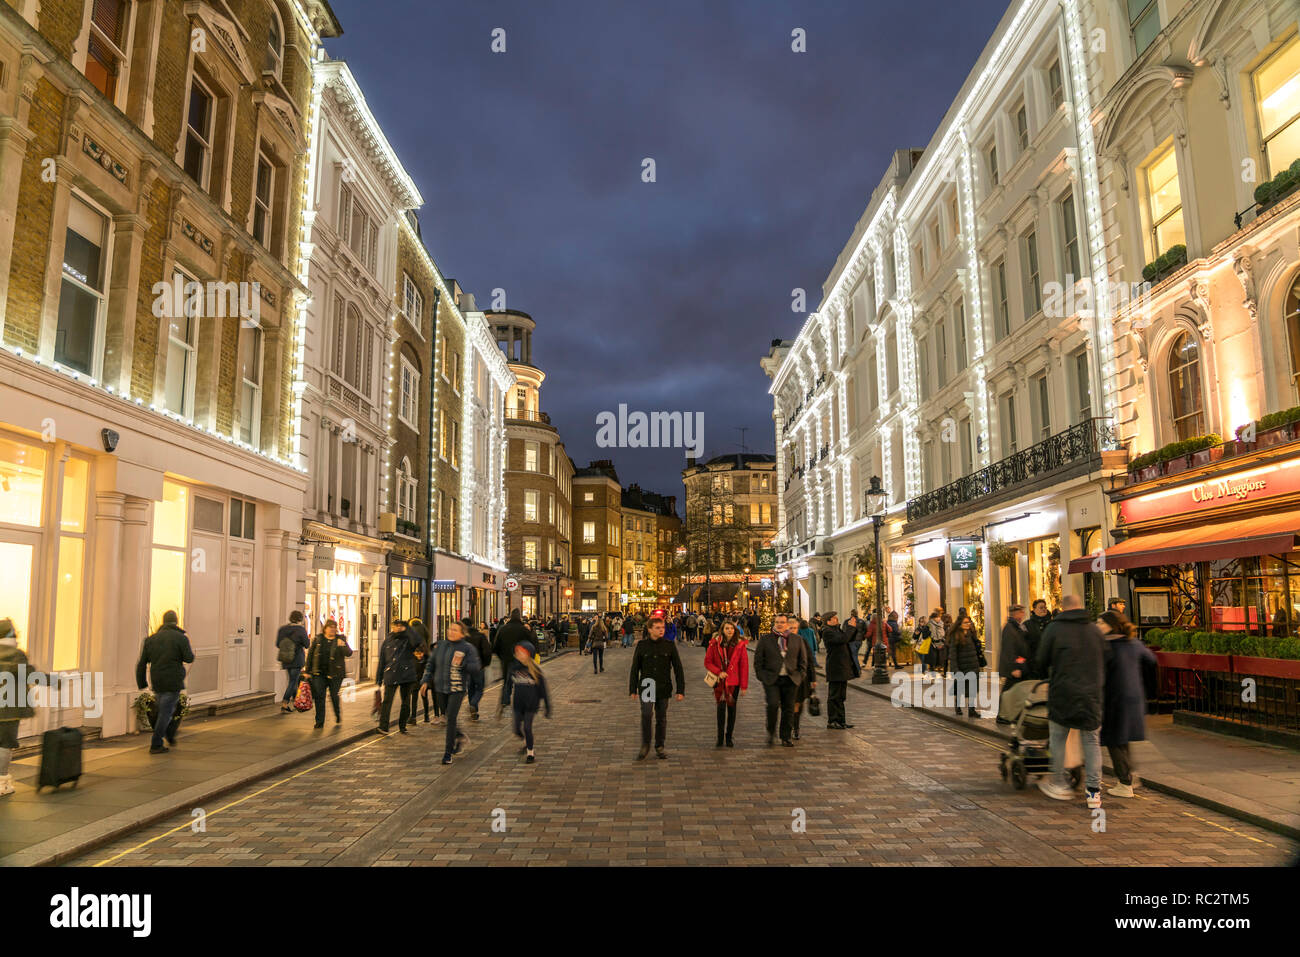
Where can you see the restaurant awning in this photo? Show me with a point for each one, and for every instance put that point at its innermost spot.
(683, 596)
(1261, 535)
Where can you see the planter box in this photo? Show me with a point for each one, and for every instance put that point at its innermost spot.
(1266, 667)
(1176, 465)
(1196, 661)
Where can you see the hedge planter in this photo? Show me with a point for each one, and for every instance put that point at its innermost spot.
(1266, 667)
(1195, 661)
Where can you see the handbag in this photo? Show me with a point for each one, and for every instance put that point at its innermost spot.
(378, 702)
(924, 647)
(302, 699)
(710, 678)
(815, 706)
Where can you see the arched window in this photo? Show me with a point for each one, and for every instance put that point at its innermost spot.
(1185, 398)
(275, 44)
(406, 487)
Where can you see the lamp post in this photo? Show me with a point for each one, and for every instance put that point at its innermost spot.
(744, 587)
(558, 569)
(875, 506)
(680, 554)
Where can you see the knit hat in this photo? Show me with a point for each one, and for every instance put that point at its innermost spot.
(169, 618)
(7, 628)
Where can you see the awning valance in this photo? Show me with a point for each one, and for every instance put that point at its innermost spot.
(1273, 534)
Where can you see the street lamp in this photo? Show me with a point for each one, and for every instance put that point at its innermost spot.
(745, 585)
(680, 554)
(875, 506)
(558, 569)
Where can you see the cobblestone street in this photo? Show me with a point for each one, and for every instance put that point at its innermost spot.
(899, 788)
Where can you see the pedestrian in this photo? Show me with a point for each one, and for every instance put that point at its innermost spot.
(1071, 656)
(291, 643)
(780, 663)
(450, 667)
(893, 633)
(727, 658)
(693, 628)
(855, 631)
(396, 672)
(1015, 663)
(528, 693)
(1117, 605)
(14, 666)
(326, 668)
(1129, 670)
(1037, 622)
(166, 653)
(478, 681)
(655, 665)
(966, 657)
(841, 667)
(584, 635)
(628, 625)
(670, 627)
(597, 638)
(509, 635)
(923, 640)
(808, 686)
(753, 623)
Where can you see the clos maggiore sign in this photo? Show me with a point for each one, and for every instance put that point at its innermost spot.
(1243, 487)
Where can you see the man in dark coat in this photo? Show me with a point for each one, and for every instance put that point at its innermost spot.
(509, 635)
(655, 665)
(1071, 657)
(292, 634)
(839, 671)
(166, 653)
(327, 666)
(780, 662)
(478, 680)
(1014, 661)
(1037, 622)
(398, 672)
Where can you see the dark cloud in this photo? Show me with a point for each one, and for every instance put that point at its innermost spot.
(661, 295)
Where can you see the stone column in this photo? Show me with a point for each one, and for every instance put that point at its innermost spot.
(120, 318)
(109, 644)
(14, 137)
(132, 623)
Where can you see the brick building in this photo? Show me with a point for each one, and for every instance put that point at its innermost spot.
(597, 537)
(651, 530)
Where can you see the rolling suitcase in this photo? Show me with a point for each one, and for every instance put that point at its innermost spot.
(60, 757)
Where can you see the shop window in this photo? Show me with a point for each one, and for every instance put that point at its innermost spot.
(171, 517)
(82, 294)
(1164, 203)
(76, 478)
(1277, 97)
(1185, 399)
(22, 484)
(67, 603)
(1045, 571)
(16, 585)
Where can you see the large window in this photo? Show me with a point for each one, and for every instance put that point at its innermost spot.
(1185, 387)
(357, 228)
(104, 55)
(82, 295)
(1144, 22)
(1277, 95)
(1070, 234)
(589, 569)
(262, 193)
(1002, 311)
(1033, 293)
(1164, 202)
(198, 132)
(408, 408)
(354, 344)
(530, 505)
(530, 456)
(1082, 386)
(588, 533)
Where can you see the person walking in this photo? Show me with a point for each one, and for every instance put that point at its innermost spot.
(1037, 622)
(1014, 661)
(808, 686)
(628, 625)
(1129, 669)
(528, 692)
(396, 672)
(14, 665)
(727, 658)
(291, 643)
(780, 663)
(926, 647)
(1072, 658)
(655, 665)
(166, 653)
(966, 658)
(893, 634)
(509, 635)
(840, 669)
(597, 638)
(855, 629)
(326, 668)
(478, 680)
(451, 665)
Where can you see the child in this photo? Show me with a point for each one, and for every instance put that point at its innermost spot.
(526, 689)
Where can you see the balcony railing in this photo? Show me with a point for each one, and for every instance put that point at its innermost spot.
(1079, 444)
(528, 415)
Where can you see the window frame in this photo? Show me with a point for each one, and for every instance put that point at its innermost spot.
(100, 295)
(1259, 105)
(1032, 273)
(208, 144)
(267, 206)
(1200, 414)
(254, 407)
(191, 360)
(407, 369)
(118, 47)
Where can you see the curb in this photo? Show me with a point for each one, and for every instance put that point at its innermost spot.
(1154, 784)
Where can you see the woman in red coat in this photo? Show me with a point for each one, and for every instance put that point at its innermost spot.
(728, 658)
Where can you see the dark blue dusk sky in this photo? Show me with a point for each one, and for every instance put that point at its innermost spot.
(661, 295)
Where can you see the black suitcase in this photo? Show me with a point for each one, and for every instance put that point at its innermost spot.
(60, 758)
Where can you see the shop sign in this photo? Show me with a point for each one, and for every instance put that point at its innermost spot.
(963, 556)
(512, 584)
(767, 584)
(489, 578)
(443, 584)
(322, 558)
(1255, 485)
(765, 559)
(901, 561)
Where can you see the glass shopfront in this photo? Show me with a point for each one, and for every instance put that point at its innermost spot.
(1255, 595)
(337, 596)
(1045, 572)
(405, 598)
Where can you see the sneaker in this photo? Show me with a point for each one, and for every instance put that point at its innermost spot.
(446, 759)
(661, 753)
(1122, 791)
(730, 743)
(1094, 797)
(159, 750)
(6, 785)
(787, 743)
(645, 749)
(383, 731)
(1055, 791)
(530, 759)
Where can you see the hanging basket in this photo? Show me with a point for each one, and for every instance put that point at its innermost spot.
(1002, 554)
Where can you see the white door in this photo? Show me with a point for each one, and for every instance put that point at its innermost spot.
(237, 656)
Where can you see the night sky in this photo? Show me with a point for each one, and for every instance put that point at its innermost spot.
(663, 295)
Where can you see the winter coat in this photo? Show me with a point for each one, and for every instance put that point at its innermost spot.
(12, 658)
(839, 657)
(598, 635)
(768, 660)
(167, 651)
(509, 635)
(1034, 628)
(298, 635)
(1071, 656)
(326, 657)
(1014, 655)
(1127, 663)
(481, 645)
(444, 677)
(808, 635)
(737, 668)
(421, 633)
(397, 664)
(658, 661)
(963, 653)
(525, 692)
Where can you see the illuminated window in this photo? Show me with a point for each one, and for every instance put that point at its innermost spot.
(16, 584)
(530, 456)
(1185, 387)
(530, 554)
(22, 484)
(1277, 94)
(530, 505)
(588, 532)
(1164, 203)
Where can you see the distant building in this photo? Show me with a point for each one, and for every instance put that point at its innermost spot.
(597, 537)
(731, 506)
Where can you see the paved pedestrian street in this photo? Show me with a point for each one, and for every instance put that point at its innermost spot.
(898, 788)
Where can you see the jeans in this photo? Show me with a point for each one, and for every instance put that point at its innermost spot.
(524, 725)
(291, 689)
(780, 697)
(505, 685)
(1091, 755)
(598, 659)
(450, 703)
(727, 716)
(924, 659)
(835, 696)
(477, 685)
(657, 709)
(1122, 762)
(854, 647)
(319, 686)
(167, 702)
(406, 714)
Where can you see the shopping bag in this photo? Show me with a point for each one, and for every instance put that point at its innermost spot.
(302, 699)
(815, 706)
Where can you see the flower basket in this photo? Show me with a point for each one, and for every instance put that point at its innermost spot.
(1002, 554)
(146, 710)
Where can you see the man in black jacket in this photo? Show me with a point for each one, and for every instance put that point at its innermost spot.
(1037, 622)
(478, 680)
(509, 635)
(655, 664)
(397, 672)
(839, 671)
(166, 653)
(292, 635)
(1015, 663)
(1072, 657)
(781, 662)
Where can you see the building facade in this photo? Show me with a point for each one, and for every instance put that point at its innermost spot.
(597, 537)
(731, 514)
(154, 155)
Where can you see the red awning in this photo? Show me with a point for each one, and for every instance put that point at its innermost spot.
(1273, 534)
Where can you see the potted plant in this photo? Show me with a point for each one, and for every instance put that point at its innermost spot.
(146, 710)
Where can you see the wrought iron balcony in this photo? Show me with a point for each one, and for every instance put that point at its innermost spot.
(826, 450)
(527, 415)
(1079, 445)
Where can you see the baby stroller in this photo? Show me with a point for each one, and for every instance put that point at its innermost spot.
(1025, 705)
